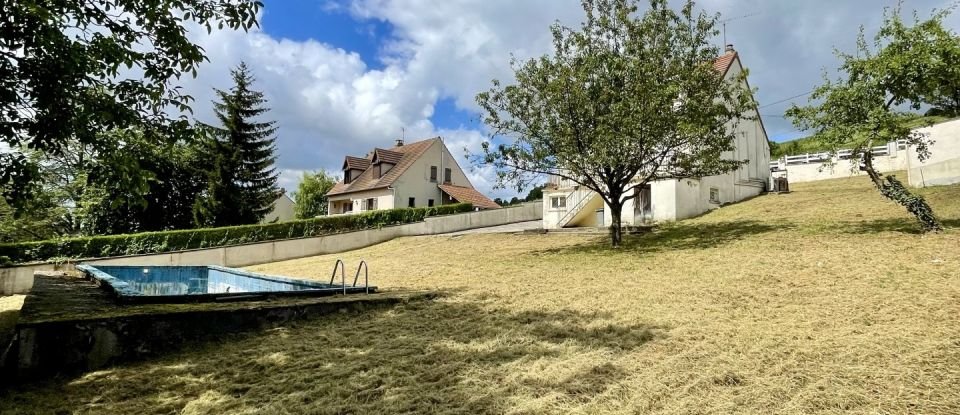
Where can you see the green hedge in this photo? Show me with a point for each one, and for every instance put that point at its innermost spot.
(155, 242)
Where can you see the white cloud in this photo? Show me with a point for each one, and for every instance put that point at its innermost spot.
(329, 103)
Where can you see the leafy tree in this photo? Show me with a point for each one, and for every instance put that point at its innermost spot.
(859, 110)
(176, 181)
(311, 196)
(41, 219)
(70, 70)
(625, 100)
(514, 201)
(243, 182)
(499, 201)
(536, 193)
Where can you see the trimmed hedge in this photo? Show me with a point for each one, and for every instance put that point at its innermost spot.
(167, 241)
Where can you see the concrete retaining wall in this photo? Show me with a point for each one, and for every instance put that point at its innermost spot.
(843, 168)
(17, 280)
(943, 166)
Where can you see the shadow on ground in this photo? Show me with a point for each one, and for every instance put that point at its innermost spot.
(675, 237)
(901, 225)
(443, 356)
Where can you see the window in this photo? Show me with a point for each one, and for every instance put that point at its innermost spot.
(371, 204)
(446, 175)
(558, 202)
(429, 202)
(347, 207)
(433, 174)
(714, 195)
(412, 202)
(346, 177)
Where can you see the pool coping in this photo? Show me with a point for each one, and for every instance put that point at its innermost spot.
(124, 293)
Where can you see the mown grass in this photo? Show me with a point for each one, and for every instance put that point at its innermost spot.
(825, 300)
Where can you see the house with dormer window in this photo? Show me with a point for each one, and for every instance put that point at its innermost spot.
(418, 174)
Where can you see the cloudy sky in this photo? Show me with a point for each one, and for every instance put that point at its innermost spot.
(345, 76)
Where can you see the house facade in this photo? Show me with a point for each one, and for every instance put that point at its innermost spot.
(282, 210)
(565, 204)
(418, 174)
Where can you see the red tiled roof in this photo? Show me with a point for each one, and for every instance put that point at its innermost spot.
(409, 153)
(723, 63)
(469, 195)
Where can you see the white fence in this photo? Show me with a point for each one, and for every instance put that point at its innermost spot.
(821, 166)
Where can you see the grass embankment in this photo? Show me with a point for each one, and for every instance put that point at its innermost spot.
(824, 300)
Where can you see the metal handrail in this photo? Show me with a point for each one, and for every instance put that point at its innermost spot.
(575, 206)
(333, 275)
(366, 275)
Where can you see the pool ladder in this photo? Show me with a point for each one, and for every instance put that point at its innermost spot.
(343, 277)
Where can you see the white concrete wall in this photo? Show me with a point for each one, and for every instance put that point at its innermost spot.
(943, 166)
(415, 181)
(840, 169)
(16, 280)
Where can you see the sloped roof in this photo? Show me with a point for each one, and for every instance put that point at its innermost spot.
(386, 156)
(359, 163)
(723, 63)
(408, 154)
(469, 195)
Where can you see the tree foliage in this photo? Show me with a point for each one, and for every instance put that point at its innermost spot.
(242, 183)
(901, 68)
(311, 195)
(176, 179)
(70, 70)
(627, 99)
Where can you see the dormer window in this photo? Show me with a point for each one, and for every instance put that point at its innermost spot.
(346, 177)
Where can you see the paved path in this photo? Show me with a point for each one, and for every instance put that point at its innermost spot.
(509, 228)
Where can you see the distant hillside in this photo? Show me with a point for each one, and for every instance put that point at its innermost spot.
(812, 145)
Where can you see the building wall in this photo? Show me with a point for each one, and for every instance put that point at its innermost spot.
(384, 200)
(943, 166)
(415, 181)
(282, 210)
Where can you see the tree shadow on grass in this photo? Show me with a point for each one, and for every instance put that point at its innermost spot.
(901, 225)
(450, 355)
(678, 236)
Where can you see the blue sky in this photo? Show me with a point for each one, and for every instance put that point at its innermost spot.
(345, 76)
(333, 24)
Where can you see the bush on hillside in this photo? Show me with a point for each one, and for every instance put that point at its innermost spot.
(166, 241)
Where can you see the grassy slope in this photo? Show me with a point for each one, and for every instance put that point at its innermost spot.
(820, 301)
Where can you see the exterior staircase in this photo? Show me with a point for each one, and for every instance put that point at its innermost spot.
(576, 201)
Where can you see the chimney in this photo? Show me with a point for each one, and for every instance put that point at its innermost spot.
(730, 50)
(399, 142)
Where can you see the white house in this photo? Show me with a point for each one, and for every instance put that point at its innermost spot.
(419, 174)
(281, 211)
(567, 205)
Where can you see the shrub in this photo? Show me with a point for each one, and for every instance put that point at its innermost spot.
(166, 241)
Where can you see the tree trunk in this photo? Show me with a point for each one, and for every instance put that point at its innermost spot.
(616, 233)
(893, 189)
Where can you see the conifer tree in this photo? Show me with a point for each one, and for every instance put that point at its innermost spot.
(242, 180)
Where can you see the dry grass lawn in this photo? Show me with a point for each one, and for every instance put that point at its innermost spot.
(821, 301)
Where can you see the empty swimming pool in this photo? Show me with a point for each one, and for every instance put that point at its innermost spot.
(161, 284)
